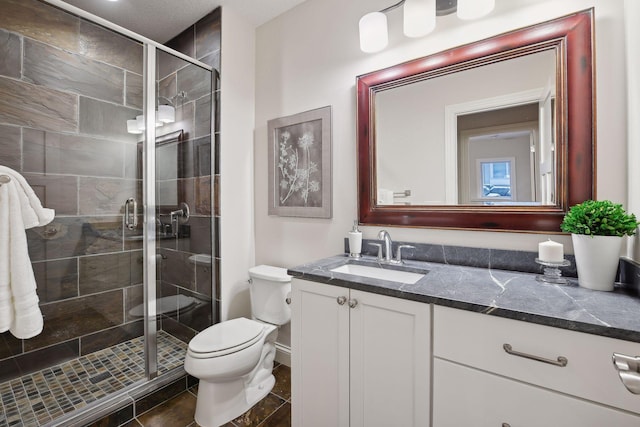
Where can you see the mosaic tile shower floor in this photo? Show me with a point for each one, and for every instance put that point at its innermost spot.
(40, 397)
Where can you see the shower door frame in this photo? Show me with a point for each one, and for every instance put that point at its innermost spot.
(148, 171)
(149, 214)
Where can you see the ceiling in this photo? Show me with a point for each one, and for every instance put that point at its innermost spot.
(161, 20)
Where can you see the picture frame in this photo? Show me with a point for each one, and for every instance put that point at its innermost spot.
(300, 181)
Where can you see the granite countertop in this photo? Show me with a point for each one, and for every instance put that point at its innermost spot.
(509, 294)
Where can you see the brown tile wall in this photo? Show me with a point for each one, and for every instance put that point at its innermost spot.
(67, 87)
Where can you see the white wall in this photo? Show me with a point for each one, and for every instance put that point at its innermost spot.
(236, 168)
(632, 17)
(309, 57)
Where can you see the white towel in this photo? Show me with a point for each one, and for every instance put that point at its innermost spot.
(33, 214)
(19, 209)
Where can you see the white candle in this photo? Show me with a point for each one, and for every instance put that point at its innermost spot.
(550, 251)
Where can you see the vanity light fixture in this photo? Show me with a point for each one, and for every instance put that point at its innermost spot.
(136, 126)
(166, 113)
(140, 122)
(419, 19)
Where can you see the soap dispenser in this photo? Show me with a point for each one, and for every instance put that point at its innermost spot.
(355, 241)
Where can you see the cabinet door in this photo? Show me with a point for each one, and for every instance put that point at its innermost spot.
(464, 396)
(390, 361)
(320, 350)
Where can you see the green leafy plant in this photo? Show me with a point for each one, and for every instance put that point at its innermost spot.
(599, 218)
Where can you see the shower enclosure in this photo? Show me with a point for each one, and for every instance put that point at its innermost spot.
(114, 132)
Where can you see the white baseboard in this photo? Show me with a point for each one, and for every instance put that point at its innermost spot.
(283, 354)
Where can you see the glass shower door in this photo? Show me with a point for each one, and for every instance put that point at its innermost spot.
(182, 212)
(124, 254)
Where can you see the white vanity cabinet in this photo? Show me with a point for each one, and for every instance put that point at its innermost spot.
(492, 371)
(358, 359)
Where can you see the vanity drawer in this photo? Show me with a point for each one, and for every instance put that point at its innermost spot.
(464, 396)
(478, 340)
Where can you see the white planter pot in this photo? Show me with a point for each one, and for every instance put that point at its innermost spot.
(597, 259)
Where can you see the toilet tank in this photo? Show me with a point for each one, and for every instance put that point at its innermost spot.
(270, 288)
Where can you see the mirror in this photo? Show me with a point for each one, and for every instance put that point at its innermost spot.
(497, 134)
(491, 154)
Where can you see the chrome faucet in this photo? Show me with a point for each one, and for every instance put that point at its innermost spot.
(385, 238)
(179, 216)
(386, 241)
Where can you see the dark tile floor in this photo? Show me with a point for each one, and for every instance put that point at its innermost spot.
(272, 411)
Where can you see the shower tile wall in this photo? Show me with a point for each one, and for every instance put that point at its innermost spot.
(180, 273)
(67, 88)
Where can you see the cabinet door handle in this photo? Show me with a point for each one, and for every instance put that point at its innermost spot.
(560, 361)
(506, 425)
(353, 303)
(341, 300)
(628, 368)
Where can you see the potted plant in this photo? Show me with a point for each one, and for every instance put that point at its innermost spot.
(597, 228)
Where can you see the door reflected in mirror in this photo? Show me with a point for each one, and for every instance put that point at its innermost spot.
(481, 136)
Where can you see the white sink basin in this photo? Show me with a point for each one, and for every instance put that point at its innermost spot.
(379, 273)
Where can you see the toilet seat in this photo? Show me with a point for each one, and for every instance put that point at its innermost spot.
(225, 338)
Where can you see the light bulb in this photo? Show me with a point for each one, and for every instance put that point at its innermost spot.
(373, 32)
(419, 17)
(132, 127)
(166, 114)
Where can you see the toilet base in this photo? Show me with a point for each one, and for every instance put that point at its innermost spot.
(219, 403)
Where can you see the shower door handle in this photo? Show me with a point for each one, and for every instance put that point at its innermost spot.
(131, 213)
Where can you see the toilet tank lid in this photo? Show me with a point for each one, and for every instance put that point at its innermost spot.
(268, 272)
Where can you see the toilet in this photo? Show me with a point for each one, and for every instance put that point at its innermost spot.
(234, 359)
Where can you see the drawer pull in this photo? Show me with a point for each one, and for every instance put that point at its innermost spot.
(561, 361)
(628, 368)
(506, 425)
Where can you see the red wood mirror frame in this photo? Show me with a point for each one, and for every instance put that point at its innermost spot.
(572, 38)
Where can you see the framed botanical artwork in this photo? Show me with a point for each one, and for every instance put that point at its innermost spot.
(300, 164)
